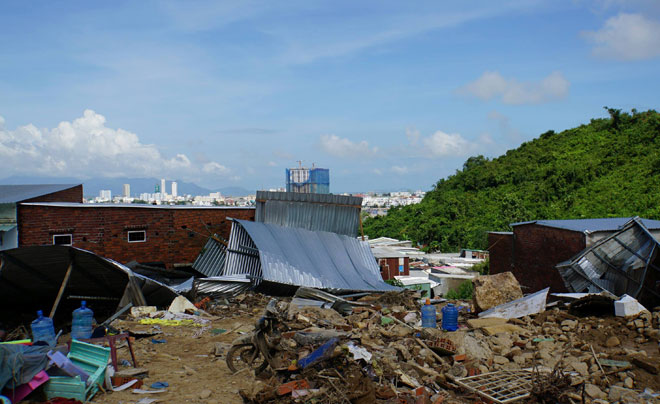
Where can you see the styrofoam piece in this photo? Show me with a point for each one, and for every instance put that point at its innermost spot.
(627, 306)
(180, 304)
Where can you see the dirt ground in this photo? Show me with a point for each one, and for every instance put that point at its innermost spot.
(187, 362)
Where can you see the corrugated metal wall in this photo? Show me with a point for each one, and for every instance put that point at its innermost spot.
(323, 212)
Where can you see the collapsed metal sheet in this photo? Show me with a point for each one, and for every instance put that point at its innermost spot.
(211, 260)
(222, 286)
(30, 278)
(299, 257)
(622, 263)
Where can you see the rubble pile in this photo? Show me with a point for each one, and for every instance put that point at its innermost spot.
(376, 351)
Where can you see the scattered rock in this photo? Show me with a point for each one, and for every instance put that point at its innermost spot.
(594, 391)
(612, 342)
(628, 382)
(206, 393)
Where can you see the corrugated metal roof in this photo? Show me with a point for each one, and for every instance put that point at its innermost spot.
(211, 260)
(324, 212)
(18, 193)
(592, 225)
(299, 257)
(386, 252)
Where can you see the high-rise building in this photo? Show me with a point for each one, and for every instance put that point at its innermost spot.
(105, 194)
(127, 190)
(308, 180)
(162, 188)
(174, 189)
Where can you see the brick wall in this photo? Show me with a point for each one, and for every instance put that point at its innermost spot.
(173, 235)
(73, 194)
(536, 251)
(500, 249)
(389, 267)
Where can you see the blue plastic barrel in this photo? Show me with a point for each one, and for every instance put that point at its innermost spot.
(428, 315)
(42, 329)
(81, 328)
(450, 318)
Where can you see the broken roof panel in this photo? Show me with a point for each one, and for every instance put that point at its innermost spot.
(623, 263)
(211, 260)
(297, 257)
(592, 225)
(325, 212)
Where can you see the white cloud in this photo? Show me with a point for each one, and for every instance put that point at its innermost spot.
(215, 168)
(343, 147)
(511, 91)
(400, 170)
(86, 147)
(442, 144)
(626, 37)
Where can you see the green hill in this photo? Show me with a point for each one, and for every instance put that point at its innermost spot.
(608, 168)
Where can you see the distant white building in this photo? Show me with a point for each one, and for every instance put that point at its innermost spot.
(174, 189)
(105, 195)
(162, 188)
(127, 190)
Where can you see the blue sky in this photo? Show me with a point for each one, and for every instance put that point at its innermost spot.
(388, 95)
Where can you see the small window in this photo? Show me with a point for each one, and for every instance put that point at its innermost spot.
(62, 239)
(138, 236)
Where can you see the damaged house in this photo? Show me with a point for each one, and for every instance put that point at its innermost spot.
(625, 262)
(533, 249)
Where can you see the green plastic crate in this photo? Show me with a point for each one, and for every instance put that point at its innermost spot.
(93, 359)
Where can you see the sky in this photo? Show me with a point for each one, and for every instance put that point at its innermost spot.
(388, 95)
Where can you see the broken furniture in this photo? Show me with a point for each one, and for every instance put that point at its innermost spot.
(111, 339)
(93, 359)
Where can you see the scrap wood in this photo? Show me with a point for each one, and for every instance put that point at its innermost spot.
(438, 357)
(598, 362)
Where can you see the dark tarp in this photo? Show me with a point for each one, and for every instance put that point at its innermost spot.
(30, 278)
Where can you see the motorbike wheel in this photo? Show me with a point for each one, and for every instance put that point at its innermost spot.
(240, 357)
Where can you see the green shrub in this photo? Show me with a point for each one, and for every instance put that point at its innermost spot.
(463, 292)
(394, 282)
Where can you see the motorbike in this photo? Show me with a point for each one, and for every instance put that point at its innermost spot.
(258, 349)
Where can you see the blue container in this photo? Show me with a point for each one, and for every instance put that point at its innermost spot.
(42, 329)
(428, 315)
(81, 328)
(450, 318)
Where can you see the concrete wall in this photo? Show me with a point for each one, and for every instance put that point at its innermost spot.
(173, 236)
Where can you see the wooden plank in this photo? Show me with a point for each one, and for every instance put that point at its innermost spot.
(61, 291)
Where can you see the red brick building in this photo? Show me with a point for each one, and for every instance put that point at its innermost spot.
(154, 234)
(12, 195)
(533, 249)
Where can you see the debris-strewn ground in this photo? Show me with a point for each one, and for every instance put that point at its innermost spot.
(572, 356)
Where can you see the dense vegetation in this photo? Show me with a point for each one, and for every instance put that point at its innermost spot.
(608, 168)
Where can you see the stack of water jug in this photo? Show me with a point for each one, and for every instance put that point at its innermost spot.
(449, 316)
(81, 328)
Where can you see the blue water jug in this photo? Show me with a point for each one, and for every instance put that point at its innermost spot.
(81, 328)
(450, 318)
(43, 330)
(428, 315)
